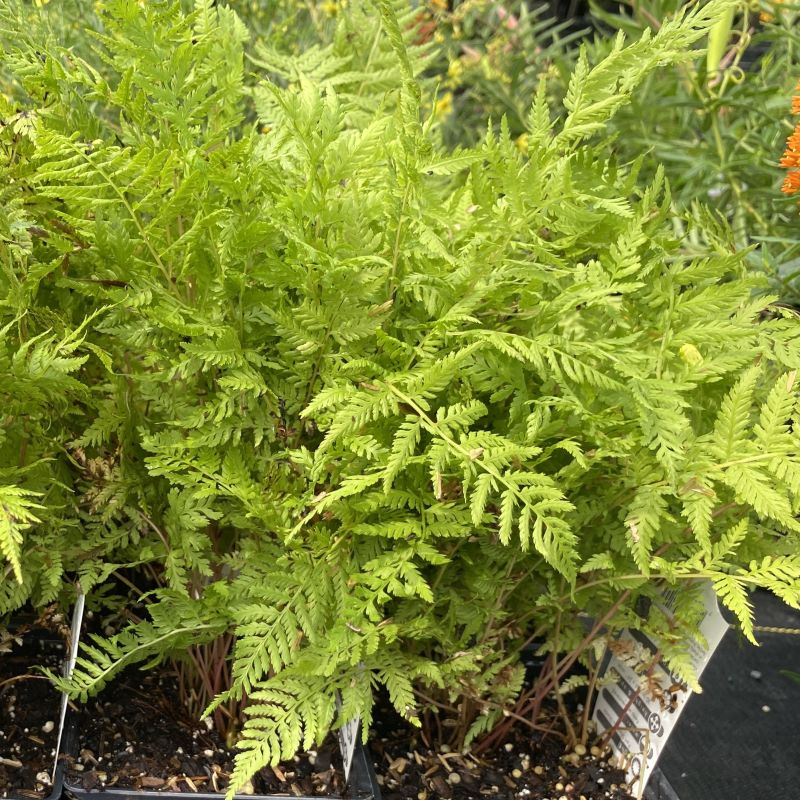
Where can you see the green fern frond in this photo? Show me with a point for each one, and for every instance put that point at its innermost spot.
(17, 513)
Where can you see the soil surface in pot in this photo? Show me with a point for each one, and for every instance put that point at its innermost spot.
(134, 735)
(29, 714)
(521, 769)
(529, 765)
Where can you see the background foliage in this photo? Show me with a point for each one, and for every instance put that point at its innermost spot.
(719, 137)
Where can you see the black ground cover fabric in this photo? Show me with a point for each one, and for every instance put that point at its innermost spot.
(740, 738)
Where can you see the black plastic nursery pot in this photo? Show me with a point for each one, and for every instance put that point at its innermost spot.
(30, 713)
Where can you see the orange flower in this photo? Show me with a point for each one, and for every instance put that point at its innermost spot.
(793, 142)
(791, 183)
(790, 160)
(791, 156)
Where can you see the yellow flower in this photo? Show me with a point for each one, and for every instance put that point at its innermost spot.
(455, 69)
(691, 355)
(444, 105)
(330, 7)
(522, 143)
(40, 3)
(767, 16)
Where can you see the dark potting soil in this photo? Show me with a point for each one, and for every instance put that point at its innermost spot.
(529, 765)
(135, 736)
(29, 714)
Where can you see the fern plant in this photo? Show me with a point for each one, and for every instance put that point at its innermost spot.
(381, 410)
(46, 364)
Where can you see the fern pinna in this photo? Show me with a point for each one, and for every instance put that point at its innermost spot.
(382, 409)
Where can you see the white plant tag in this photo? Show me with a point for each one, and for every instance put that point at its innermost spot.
(643, 722)
(74, 639)
(348, 735)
